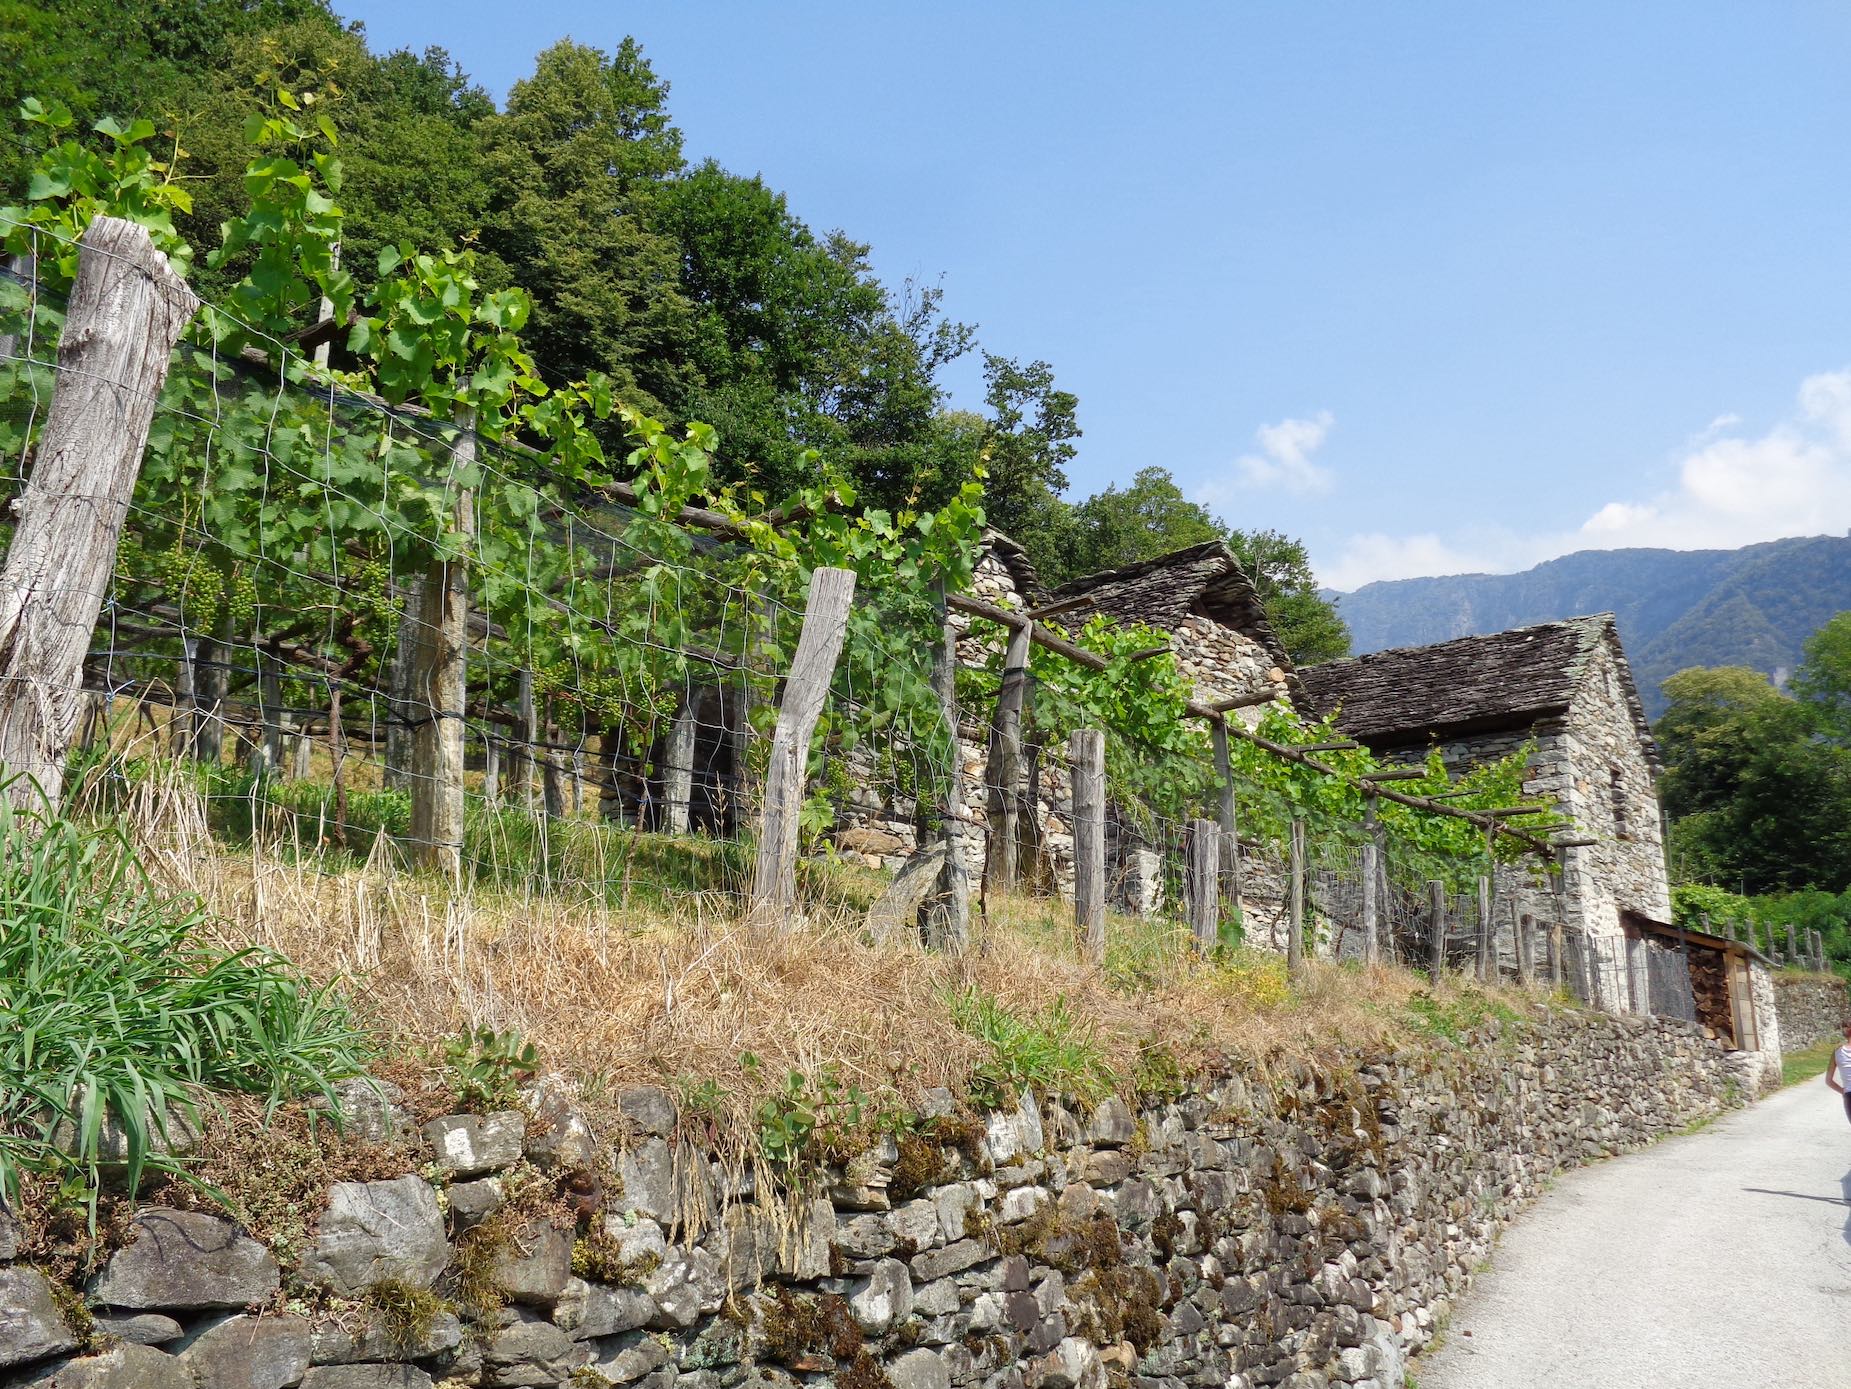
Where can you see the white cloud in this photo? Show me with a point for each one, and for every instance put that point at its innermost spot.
(1730, 489)
(1284, 459)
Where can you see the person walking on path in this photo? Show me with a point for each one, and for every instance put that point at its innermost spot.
(1838, 1073)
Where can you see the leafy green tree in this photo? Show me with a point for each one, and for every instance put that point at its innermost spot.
(1757, 800)
(575, 168)
(1026, 449)
(128, 62)
(1148, 518)
(1823, 680)
(1307, 623)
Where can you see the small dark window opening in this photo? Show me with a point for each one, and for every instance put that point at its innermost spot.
(1621, 829)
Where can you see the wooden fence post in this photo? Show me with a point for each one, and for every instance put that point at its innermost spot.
(1486, 931)
(1086, 756)
(947, 923)
(1002, 868)
(1204, 882)
(437, 684)
(1370, 855)
(125, 313)
(1554, 937)
(527, 734)
(1295, 926)
(1230, 827)
(1436, 926)
(1793, 946)
(678, 765)
(1818, 949)
(491, 769)
(825, 624)
(1526, 970)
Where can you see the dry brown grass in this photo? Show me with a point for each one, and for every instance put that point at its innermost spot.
(678, 996)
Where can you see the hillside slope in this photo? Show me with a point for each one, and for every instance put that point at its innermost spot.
(1677, 608)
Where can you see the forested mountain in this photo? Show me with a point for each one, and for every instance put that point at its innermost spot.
(1677, 608)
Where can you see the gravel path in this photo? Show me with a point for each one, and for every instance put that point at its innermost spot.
(1721, 1260)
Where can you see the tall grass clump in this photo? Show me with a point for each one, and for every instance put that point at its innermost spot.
(114, 1019)
(1052, 1051)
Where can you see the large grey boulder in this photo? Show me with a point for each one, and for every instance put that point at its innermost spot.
(378, 1230)
(30, 1326)
(246, 1352)
(473, 1145)
(125, 1366)
(186, 1261)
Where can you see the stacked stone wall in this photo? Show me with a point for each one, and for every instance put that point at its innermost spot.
(1812, 1008)
(1286, 1228)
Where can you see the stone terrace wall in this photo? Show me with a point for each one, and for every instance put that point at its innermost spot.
(1811, 1008)
(1295, 1230)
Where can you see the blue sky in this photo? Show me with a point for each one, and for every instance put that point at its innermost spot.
(1437, 287)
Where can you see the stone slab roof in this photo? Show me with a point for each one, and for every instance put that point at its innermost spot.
(1482, 684)
(1161, 592)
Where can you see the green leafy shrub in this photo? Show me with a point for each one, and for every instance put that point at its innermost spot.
(488, 1067)
(113, 1014)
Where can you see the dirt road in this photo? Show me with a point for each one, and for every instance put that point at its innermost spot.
(1722, 1258)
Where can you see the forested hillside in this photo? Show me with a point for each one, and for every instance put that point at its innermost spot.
(1751, 607)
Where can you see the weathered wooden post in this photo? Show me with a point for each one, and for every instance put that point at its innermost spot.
(1003, 769)
(1793, 945)
(491, 769)
(1204, 882)
(1554, 936)
(1295, 928)
(678, 765)
(125, 313)
(1371, 854)
(437, 685)
(1526, 973)
(1487, 963)
(527, 735)
(825, 625)
(947, 921)
(1436, 929)
(1818, 950)
(1086, 760)
(1229, 856)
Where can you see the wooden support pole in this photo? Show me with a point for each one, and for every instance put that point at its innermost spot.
(1793, 945)
(1003, 770)
(1487, 932)
(1371, 854)
(125, 312)
(947, 921)
(1554, 937)
(1395, 774)
(1086, 756)
(520, 751)
(1295, 926)
(438, 684)
(825, 625)
(1436, 929)
(1229, 855)
(678, 765)
(491, 770)
(1526, 969)
(267, 747)
(1204, 883)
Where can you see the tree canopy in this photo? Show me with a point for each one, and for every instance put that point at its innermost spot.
(700, 293)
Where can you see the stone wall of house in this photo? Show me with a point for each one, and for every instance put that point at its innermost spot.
(1612, 794)
(1302, 1228)
(1812, 1008)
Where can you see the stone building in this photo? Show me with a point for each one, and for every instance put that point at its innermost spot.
(1224, 644)
(1564, 687)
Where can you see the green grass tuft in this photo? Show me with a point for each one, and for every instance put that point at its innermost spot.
(111, 1012)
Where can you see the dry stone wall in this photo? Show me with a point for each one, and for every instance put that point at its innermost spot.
(1288, 1229)
(1812, 1008)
